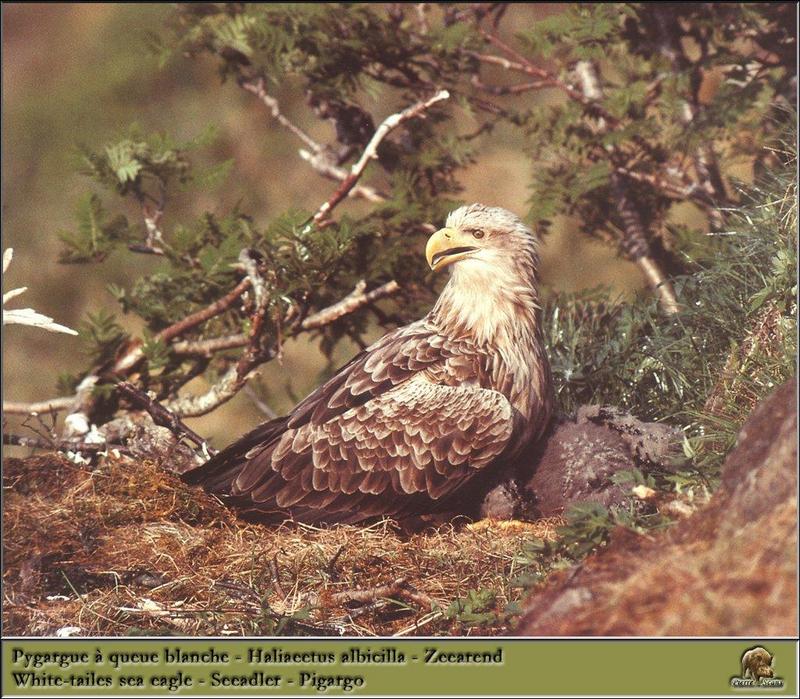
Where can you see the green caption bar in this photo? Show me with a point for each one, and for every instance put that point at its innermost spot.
(388, 667)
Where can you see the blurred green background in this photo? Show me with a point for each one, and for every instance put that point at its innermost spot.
(81, 73)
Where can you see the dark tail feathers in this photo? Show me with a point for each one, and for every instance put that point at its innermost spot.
(218, 473)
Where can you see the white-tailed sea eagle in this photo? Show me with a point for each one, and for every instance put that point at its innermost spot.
(410, 421)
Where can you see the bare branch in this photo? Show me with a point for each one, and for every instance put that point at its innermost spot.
(161, 415)
(133, 356)
(508, 89)
(317, 156)
(522, 64)
(154, 238)
(327, 168)
(237, 375)
(221, 392)
(250, 265)
(231, 382)
(206, 348)
(356, 299)
(45, 406)
(256, 87)
(659, 283)
(371, 151)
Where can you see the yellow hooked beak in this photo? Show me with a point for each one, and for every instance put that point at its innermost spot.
(446, 246)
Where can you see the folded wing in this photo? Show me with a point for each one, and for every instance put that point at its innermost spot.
(386, 435)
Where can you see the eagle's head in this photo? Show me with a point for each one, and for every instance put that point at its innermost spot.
(493, 258)
(483, 240)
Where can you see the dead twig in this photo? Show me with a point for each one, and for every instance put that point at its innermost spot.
(45, 406)
(325, 166)
(356, 299)
(276, 576)
(161, 415)
(256, 87)
(508, 89)
(317, 155)
(399, 589)
(633, 241)
(371, 151)
(206, 348)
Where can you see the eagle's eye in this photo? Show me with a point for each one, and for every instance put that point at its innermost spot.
(476, 232)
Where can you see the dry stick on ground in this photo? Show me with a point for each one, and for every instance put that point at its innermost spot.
(398, 589)
(318, 157)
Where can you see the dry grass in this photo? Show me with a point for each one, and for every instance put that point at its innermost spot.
(127, 548)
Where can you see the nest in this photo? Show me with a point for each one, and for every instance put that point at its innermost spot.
(127, 548)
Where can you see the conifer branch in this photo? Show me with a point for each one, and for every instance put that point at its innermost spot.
(235, 377)
(131, 358)
(683, 189)
(705, 160)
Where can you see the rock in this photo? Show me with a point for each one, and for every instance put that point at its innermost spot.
(729, 569)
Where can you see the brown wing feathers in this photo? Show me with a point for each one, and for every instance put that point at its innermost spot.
(378, 438)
